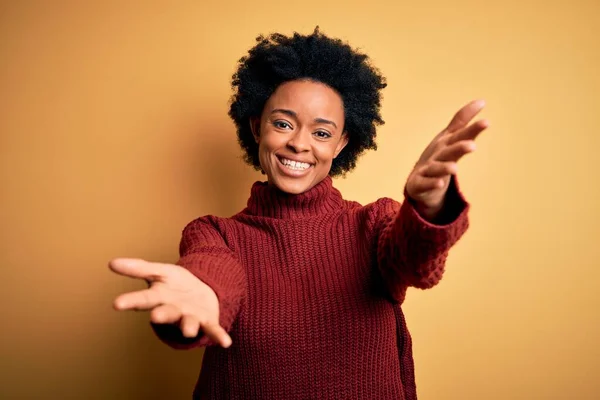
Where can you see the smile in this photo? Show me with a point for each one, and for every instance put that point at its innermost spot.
(294, 165)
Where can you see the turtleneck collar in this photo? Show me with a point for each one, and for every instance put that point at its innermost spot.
(269, 201)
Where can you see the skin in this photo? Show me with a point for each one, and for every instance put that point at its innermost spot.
(303, 121)
(428, 182)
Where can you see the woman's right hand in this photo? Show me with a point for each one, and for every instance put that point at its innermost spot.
(174, 296)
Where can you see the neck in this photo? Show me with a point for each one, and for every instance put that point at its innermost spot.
(270, 201)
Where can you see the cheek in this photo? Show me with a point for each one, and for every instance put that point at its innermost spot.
(266, 147)
(263, 154)
(325, 153)
(271, 142)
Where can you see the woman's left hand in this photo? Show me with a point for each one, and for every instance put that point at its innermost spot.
(428, 182)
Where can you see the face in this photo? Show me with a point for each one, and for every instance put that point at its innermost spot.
(299, 133)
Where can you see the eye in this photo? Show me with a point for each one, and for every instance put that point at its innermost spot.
(281, 125)
(322, 134)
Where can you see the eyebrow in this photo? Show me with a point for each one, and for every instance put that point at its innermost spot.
(293, 114)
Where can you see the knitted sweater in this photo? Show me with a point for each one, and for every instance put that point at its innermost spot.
(310, 288)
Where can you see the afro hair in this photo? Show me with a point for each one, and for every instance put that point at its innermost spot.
(277, 59)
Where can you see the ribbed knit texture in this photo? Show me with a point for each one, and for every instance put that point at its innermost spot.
(310, 289)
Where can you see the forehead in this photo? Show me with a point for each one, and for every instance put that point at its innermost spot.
(307, 99)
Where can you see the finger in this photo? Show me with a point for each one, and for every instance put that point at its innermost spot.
(141, 300)
(456, 151)
(470, 132)
(424, 184)
(438, 169)
(217, 334)
(165, 314)
(189, 325)
(138, 268)
(465, 115)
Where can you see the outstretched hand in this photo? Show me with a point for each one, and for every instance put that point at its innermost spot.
(428, 182)
(174, 296)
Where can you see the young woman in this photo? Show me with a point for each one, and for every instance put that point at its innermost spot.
(299, 295)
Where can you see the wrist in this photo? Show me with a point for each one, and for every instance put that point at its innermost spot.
(428, 212)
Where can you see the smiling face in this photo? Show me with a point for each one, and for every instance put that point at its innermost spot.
(300, 132)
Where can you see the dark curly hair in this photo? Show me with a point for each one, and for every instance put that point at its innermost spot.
(276, 59)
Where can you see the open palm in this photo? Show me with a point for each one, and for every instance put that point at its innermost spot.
(428, 182)
(174, 296)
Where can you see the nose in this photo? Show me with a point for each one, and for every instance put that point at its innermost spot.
(299, 141)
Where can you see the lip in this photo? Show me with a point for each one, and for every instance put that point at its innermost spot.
(294, 159)
(293, 172)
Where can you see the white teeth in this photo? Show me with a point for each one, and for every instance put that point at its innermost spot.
(294, 164)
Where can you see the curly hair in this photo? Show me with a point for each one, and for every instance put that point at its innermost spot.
(277, 59)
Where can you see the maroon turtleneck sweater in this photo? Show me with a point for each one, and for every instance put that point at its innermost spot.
(310, 289)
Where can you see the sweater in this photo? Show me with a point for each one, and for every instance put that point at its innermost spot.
(310, 289)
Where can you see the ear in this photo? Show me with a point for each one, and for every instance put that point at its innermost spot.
(341, 144)
(255, 128)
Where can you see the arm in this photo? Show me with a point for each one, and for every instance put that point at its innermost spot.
(412, 251)
(205, 254)
(414, 238)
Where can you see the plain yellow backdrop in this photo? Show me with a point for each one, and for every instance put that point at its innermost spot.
(114, 135)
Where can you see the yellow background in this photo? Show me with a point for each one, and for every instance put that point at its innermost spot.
(114, 135)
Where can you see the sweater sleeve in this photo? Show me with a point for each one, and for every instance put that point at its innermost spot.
(412, 251)
(204, 253)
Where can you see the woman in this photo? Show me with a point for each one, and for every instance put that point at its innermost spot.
(299, 295)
